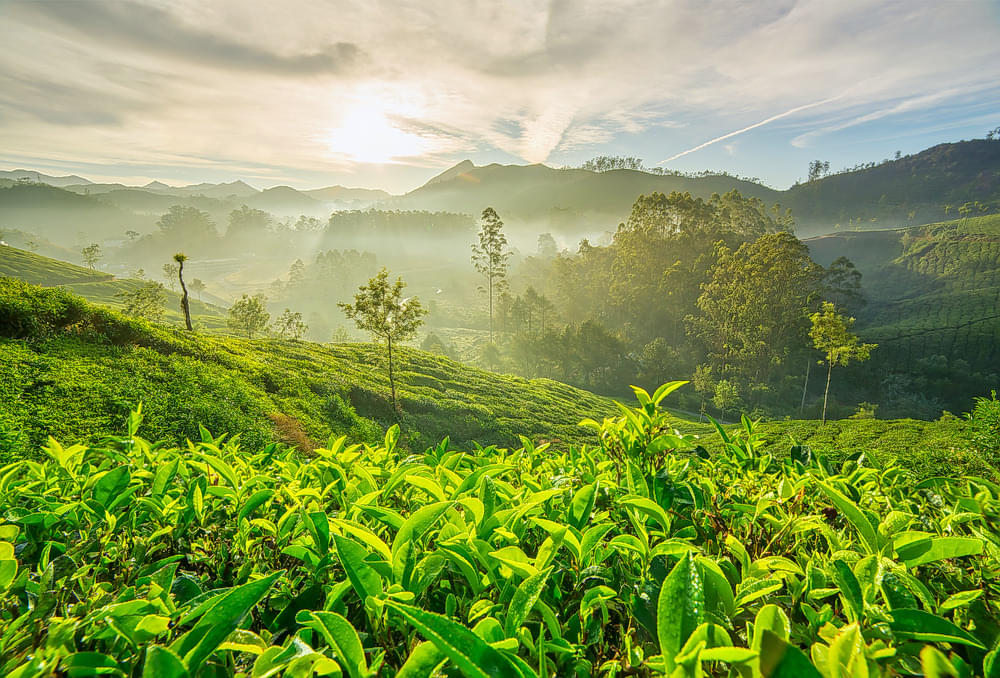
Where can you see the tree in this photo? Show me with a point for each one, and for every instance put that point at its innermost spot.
(290, 324)
(727, 396)
(704, 385)
(818, 168)
(842, 284)
(170, 272)
(132, 235)
(198, 286)
(753, 311)
(547, 247)
(379, 308)
(146, 301)
(91, 254)
(249, 315)
(186, 224)
(490, 257)
(831, 334)
(180, 258)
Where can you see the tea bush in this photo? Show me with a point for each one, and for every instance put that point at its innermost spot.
(645, 555)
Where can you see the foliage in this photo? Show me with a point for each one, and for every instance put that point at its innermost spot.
(379, 308)
(289, 324)
(831, 335)
(148, 301)
(92, 254)
(490, 257)
(985, 427)
(643, 556)
(249, 315)
(753, 310)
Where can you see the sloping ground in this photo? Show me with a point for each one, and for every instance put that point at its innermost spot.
(39, 270)
(100, 287)
(933, 297)
(77, 378)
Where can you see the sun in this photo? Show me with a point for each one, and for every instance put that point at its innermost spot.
(366, 134)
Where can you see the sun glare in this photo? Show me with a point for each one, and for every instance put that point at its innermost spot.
(366, 134)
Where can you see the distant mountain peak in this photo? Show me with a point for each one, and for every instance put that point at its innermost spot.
(461, 168)
(156, 184)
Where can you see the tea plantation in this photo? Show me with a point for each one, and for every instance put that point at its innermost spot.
(74, 370)
(640, 556)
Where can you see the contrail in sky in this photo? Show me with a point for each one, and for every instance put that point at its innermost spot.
(753, 126)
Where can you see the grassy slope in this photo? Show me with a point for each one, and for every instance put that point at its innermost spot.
(99, 287)
(77, 385)
(932, 290)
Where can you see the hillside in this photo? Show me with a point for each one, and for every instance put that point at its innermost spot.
(100, 287)
(63, 215)
(78, 369)
(933, 296)
(560, 198)
(911, 190)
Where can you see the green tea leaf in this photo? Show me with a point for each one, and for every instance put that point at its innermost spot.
(779, 659)
(920, 625)
(853, 515)
(224, 616)
(340, 636)
(473, 656)
(679, 609)
(524, 600)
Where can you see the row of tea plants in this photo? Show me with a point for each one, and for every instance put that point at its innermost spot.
(645, 556)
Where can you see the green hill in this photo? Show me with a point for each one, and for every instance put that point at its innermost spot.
(100, 287)
(73, 370)
(933, 296)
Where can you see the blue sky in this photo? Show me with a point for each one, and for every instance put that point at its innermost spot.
(388, 93)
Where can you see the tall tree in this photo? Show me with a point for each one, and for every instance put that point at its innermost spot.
(831, 334)
(91, 254)
(380, 308)
(249, 315)
(753, 311)
(180, 258)
(490, 257)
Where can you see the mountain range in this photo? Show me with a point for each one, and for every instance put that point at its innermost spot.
(910, 190)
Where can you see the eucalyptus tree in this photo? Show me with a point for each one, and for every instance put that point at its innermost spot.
(380, 308)
(490, 257)
(180, 258)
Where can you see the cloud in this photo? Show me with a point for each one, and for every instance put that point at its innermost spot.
(152, 29)
(779, 116)
(233, 83)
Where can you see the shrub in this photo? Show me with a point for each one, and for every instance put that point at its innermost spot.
(984, 427)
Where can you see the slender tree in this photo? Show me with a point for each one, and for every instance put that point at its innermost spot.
(831, 334)
(490, 257)
(180, 258)
(92, 254)
(380, 308)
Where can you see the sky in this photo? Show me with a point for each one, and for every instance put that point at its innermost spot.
(386, 94)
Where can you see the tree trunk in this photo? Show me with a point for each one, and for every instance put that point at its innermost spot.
(826, 392)
(491, 307)
(184, 299)
(392, 380)
(805, 386)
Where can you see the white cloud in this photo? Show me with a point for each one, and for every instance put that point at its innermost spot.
(321, 85)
